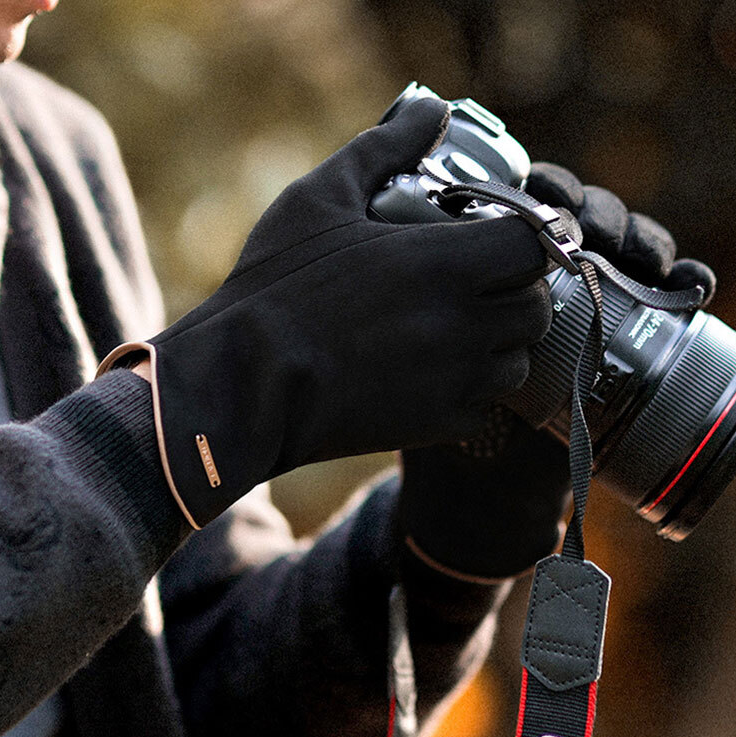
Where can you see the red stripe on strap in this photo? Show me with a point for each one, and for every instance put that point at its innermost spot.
(590, 721)
(391, 715)
(522, 703)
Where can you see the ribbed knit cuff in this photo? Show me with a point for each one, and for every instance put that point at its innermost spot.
(107, 433)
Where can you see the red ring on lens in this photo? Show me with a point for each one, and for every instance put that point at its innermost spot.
(704, 442)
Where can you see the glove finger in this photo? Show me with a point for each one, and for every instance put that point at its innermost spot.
(516, 318)
(555, 186)
(648, 251)
(604, 220)
(396, 146)
(687, 273)
(507, 371)
(480, 255)
(572, 226)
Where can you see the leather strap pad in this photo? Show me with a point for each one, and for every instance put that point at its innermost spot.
(566, 620)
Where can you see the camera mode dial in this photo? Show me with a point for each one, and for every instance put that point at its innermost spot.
(465, 169)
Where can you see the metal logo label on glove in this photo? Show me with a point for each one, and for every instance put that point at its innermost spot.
(207, 461)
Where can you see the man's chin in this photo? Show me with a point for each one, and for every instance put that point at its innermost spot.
(12, 39)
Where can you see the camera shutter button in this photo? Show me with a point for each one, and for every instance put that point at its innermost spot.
(465, 169)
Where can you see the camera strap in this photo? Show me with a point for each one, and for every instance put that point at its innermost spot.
(562, 646)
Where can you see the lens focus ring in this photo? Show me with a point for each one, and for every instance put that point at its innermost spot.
(553, 361)
(679, 415)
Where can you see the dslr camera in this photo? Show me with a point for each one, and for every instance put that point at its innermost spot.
(661, 414)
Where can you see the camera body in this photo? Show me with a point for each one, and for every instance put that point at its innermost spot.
(476, 148)
(662, 415)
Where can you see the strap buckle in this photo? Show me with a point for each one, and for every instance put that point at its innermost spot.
(554, 237)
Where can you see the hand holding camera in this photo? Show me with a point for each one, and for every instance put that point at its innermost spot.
(493, 506)
(336, 334)
(661, 425)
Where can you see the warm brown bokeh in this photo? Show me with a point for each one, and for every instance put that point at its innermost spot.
(218, 105)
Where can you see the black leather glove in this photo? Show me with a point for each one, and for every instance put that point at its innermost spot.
(336, 335)
(492, 507)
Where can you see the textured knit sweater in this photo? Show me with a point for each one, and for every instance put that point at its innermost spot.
(244, 630)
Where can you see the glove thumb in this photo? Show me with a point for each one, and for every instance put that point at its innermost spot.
(398, 145)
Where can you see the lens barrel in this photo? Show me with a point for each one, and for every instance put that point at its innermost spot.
(661, 413)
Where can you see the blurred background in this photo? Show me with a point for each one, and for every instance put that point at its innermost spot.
(218, 106)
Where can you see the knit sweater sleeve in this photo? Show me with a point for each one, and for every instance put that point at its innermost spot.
(85, 521)
(286, 639)
(298, 645)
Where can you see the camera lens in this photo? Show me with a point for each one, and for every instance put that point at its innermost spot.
(662, 412)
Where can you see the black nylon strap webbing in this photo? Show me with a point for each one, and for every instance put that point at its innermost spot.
(557, 714)
(563, 637)
(581, 449)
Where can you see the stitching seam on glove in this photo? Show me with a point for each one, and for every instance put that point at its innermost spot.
(239, 272)
(268, 285)
(444, 126)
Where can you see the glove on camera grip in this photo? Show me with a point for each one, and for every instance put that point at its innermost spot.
(337, 335)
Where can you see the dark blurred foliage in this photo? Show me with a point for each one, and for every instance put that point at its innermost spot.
(219, 105)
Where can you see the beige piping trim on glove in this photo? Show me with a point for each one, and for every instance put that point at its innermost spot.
(468, 577)
(109, 363)
(451, 572)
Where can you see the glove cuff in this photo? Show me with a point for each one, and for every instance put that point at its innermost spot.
(488, 518)
(123, 356)
(451, 572)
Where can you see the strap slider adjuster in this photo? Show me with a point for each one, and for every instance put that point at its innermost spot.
(553, 235)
